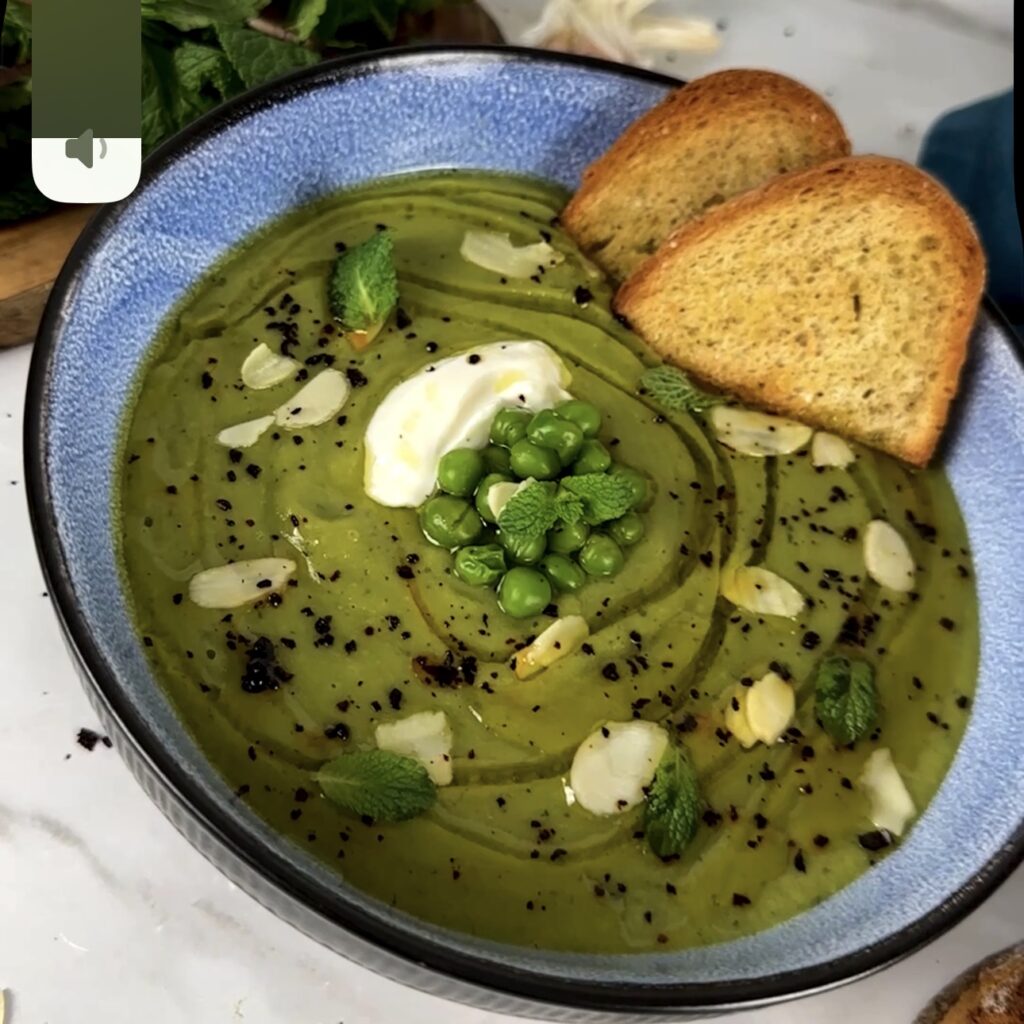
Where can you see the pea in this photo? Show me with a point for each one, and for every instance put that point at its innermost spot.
(586, 416)
(480, 565)
(495, 459)
(637, 482)
(523, 550)
(563, 573)
(530, 460)
(483, 491)
(459, 471)
(449, 522)
(548, 430)
(601, 556)
(566, 538)
(627, 530)
(523, 593)
(509, 426)
(593, 458)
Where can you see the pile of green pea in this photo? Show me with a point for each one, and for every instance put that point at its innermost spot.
(527, 570)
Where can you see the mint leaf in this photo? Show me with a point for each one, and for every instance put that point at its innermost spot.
(530, 511)
(205, 77)
(604, 496)
(673, 804)
(305, 15)
(192, 14)
(568, 506)
(159, 94)
(258, 58)
(16, 34)
(363, 289)
(845, 699)
(672, 389)
(377, 783)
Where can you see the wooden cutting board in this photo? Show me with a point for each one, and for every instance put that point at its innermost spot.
(32, 253)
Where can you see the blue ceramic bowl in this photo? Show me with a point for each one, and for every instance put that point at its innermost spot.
(506, 110)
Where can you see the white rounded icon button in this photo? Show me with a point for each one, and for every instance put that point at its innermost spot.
(86, 169)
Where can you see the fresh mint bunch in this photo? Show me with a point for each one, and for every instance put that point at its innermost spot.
(195, 55)
(531, 511)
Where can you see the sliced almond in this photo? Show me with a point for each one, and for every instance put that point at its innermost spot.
(830, 450)
(244, 435)
(263, 368)
(614, 765)
(499, 494)
(425, 736)
(770, 706)
(316, 402)
(560, 639)
(887, 558)
(891, 804)
(239, 583)
(493, 250)
(756, 433)
(761, 592)
(736, 720)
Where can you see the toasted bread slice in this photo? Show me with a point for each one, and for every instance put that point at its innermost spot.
(711, 139)
(843, 295)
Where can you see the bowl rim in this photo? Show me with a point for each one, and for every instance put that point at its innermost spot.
(100, 679)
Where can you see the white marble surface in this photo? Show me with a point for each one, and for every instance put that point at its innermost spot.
(109, 915)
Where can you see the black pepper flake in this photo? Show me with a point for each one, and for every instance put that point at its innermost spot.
(963, 702)
(356, 377)
(581, 295)
(810, 640)
(739, 900)
(223, 504)
(799, 863)
(206, 380)
(687, 724)
(474, 358)
(338, 731)
(766, 773)
(760, 820)
(253, 470)
(404, 572)
(611, 672)
(876, 840)
(947, 623)
(711, 818)
(395, 698)
(171, 489)
(820, 841)
(707, 559)
(88, 738)
(177, 598)
(587, 649)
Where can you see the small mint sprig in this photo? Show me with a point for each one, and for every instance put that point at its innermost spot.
(378, 784)
(673, 390)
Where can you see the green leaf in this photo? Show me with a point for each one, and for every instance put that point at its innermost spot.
(377, 783)
(673, 390)
(258, 58)
(205, 78)
(673, 804)
(16, 35)
(530, 511)
(363, 289)
(305, 15)
(845, 699)
(159, 94)
(568, 506)
(604, 496)
(15, 96)
(193, 14)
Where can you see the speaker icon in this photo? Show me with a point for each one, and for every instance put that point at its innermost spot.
(81, 149)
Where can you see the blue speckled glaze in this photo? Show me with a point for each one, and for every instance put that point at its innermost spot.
(547, 117)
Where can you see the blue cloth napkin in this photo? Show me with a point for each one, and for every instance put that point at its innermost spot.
(970, 151)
